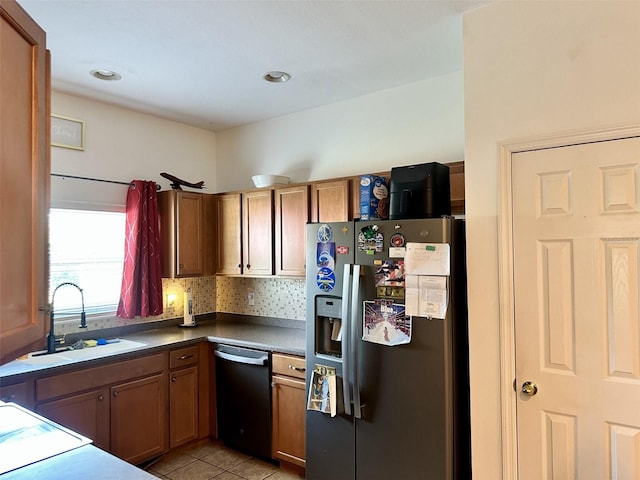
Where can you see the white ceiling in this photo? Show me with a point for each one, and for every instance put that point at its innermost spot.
(201, 62)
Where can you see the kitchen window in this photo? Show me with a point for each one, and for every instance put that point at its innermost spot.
(86, 247)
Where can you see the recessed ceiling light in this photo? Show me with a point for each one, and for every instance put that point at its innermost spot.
(276, 76)
(103, 74)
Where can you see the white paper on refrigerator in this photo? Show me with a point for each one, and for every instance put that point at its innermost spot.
(427, 296)
(322, 391)
(427, 259)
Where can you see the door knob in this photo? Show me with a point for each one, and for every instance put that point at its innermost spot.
(529, 388)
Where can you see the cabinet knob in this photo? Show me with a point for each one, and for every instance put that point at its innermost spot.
(174, 379)
(100, 398)
(115, 394)
(248, 266)
(181, 265)
(184, 357)
(239, 265)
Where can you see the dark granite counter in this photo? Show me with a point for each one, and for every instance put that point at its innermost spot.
(276, 335)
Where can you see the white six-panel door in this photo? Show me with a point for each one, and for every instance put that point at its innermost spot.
(576, 248)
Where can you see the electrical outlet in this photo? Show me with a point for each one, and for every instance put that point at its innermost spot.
(251, 298)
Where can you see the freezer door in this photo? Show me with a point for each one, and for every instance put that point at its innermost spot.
(329, 247)
(330, 441)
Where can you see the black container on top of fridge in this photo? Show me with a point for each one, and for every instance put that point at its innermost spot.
(419, 191)
(402, 410)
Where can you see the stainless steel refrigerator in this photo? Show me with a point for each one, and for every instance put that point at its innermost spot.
(402, 410)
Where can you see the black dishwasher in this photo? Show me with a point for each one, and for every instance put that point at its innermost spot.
(243, 384)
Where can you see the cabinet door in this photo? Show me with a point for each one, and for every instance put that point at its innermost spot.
(20, 393)
(456, 184)
(189, 234)
(257, 232)
(292, 214)
(182, 229)
(330, 201)
(183, 406)
(229, 244)
(139, 418)
(86, 413)
(289, 405)
(24, 182)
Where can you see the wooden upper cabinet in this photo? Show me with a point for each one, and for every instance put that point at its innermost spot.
(257, 232)
(456, 184)
(24, 182)
(186, 233)
(330, 201)
(292, 214)
(229, 240)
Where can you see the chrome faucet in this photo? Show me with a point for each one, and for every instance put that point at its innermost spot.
(51, 338)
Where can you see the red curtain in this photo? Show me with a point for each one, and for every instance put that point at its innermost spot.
(141, 291)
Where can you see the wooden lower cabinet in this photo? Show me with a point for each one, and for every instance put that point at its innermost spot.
(86, 413)
(183, 406)
(139, 419)
(289, 409)
(120, 405)
(20, 393)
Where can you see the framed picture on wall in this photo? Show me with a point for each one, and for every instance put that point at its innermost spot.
(67, 132)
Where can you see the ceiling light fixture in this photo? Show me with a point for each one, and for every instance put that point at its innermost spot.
(103, 74)
(276, 76)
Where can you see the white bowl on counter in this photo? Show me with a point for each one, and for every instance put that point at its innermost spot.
(261, 181)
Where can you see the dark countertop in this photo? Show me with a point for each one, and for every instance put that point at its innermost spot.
(276, 335)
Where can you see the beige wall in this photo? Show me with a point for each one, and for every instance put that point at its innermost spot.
(531, 68)
(125, 145)
(416, 123)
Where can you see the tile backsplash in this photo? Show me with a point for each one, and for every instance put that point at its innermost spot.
(203, 291)
(272, 297)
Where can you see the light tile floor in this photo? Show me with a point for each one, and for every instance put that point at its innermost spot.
(212, 460)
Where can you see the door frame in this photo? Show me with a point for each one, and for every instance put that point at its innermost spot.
(506, 150)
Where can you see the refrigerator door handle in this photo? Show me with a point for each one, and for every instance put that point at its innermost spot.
(353, 325)
(346, 321)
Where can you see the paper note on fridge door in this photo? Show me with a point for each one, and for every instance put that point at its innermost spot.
(322, 391)
(426, 296)
(427, 259)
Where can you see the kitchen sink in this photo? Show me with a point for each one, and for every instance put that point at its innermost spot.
(52, 359)
(115, 346)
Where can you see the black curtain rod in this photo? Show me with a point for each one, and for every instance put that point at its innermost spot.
(158, 187)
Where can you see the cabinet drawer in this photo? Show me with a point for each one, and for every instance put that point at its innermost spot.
(89, 378)
(183, 357)
(18, 393)
(288, 365)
